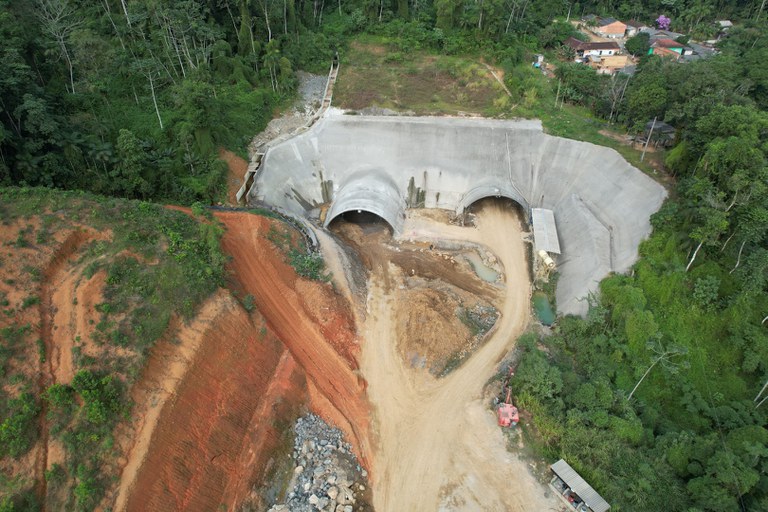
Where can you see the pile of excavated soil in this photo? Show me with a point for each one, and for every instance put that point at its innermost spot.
(437, 323)
(439, 302)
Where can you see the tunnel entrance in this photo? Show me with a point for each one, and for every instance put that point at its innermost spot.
(369, 222)
(483, 203)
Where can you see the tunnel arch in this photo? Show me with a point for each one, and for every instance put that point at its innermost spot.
(492, 190)
(373, 192)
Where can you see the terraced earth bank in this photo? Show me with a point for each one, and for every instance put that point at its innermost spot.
(218, 439)
(208, 409)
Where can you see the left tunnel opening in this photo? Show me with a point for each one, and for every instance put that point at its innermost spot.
(368, 222)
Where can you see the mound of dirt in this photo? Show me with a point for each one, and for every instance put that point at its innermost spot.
(442, 310)
(438, 324)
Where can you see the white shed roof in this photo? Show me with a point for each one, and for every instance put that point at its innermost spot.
(578, 485)
(545, 231)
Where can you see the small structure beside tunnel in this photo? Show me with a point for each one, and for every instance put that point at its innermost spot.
(545, 241)
(574, 490)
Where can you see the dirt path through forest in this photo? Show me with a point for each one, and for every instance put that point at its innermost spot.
(438, 446)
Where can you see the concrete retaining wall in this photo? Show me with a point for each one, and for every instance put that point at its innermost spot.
(384, 165)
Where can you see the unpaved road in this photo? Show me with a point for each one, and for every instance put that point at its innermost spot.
(437, 445)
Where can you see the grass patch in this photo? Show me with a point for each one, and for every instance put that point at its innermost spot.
(306, 263)
(17, 430)
(374, 74)
(30, 301)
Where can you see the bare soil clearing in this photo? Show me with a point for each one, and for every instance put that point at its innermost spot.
(438, 296)
(236, 168)
(335, 388)
(438, 447)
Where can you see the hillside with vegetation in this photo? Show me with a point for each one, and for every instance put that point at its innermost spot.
(657, 397)
(89, 287)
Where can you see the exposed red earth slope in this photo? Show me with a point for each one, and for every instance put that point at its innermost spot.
(312, 321)
(248, 375)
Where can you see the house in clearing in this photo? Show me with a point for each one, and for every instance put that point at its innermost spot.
(585, 50)
(611, 28)
(634, 27)
(668, 48)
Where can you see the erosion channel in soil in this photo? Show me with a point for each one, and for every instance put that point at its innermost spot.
(430, 346)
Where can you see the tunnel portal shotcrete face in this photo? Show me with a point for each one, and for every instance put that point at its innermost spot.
(370, 190)
(385, 165)
(502, 201)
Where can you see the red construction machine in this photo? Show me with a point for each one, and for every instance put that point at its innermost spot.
(507, 413)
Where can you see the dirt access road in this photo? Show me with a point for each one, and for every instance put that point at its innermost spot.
(438, 447)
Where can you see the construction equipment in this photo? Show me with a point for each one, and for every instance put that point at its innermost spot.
(507, 413)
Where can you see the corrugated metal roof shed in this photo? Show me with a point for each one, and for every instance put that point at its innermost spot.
(585, 491)
(545, 231)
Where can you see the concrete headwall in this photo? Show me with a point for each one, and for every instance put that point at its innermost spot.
(384, 165)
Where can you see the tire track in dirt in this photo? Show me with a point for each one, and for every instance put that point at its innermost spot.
(439, 447)
(47, 376)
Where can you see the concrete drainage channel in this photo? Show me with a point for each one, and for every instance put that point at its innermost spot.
(385, 165)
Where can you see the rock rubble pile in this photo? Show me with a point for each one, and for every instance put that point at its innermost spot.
(327, 476)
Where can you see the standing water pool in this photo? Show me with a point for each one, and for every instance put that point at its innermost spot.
(543, 308)
(483, 271)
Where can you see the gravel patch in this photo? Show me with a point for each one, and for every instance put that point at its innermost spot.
(326, 475)
(311, 90)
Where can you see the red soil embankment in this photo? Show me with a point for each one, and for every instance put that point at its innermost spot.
(219, 431)
(263, 273)
(236, 169)
(201, 446)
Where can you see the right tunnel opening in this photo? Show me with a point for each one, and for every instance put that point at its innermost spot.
(502, 203)
(497, 202)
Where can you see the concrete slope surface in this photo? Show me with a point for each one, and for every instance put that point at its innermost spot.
(386, 165)
(438, 447)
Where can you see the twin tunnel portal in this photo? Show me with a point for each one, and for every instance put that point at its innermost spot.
(380, 198)
(385, 165)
